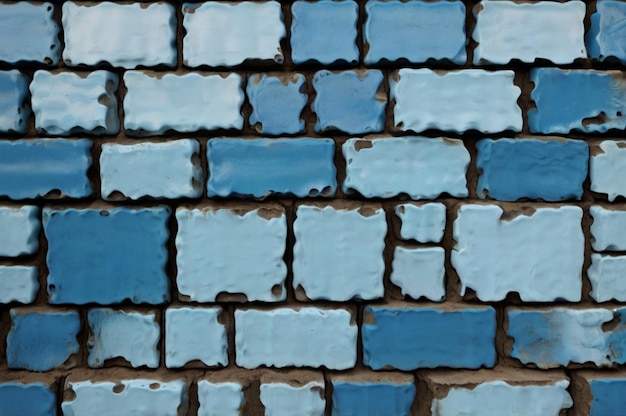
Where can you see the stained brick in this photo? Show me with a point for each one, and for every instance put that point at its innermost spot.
(14, 111)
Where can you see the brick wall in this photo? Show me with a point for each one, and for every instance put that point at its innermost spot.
(309, 208)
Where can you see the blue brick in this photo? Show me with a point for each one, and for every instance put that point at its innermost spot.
(414, 30)
(262, 167)
(34, 399)
(349, 101)
(41, 341)
(107, 256)
(583, 100)
(324, 31)
(29, 33)
(411, 338)
(605, 38)
(20, 227)
(372, 398)
(277, 103)
(13, 109)
(34, 168)
(552, 170)
(609, 396)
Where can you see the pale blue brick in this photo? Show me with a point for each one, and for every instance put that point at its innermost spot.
(20, 230)
(227, 34)
(187, 103)
(538, 253)
(324, 31)
(606, 275)
(14, 110)
(231, 251)
(423, 223)
(282, 399)
(338, 253)
(607, 167)
(220, 399)
(587, 100)
(195, 334)
(420, 167)
(42, 167)
(541, 30)
(605, 36)
(608, 228)
(132, 336)
(470, 99)
(137, 397)
(303, 337)
(277, 103)
(349, 101)
(121, 35)
(66, 103)
(42, 341)
(266, 167)
(414, 30)
(158, 170)
(29, 33)
(419, 272)
(18, 284)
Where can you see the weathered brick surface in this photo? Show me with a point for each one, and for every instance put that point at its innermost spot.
(312, 207)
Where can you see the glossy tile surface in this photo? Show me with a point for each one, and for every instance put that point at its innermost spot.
(605, 36)
(419, 272)
(607, 228)
(424, 223)
(368, 398)
(20, 398)
(20, 228)
(606, 274)
(607, 167)
(219, 399)
(18, 284)
(281, 399)
(14, 110)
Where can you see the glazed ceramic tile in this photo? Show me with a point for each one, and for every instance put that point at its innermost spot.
(20, 398)
(365, 398)
(219, 399)
(607, 392)
(14, 110)
(606, 275)
(419, 272)
(607, 30)
(281, 399)
(18, 284)
(608, 228)
(423, 223)
(607, 166)
(20, 230)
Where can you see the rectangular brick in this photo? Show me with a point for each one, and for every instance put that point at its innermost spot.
(187, 103)
(537, 252)
(19, 398)
(20, 226)
(605, 35)
(407, 338)
(607, 165)
(107, 256)
(424, 223)
(606, 275)
(303, 337)
(296, 392)
(18, 284)
(14, 111)
(220, 399)
(457, 101)
(603, 392)
(267, 167)
(122, 35)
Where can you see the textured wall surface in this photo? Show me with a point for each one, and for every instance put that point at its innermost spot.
(313, 208)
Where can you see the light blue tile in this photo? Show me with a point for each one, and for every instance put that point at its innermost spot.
(65, 103)
(349, 101)
(282, 399)
(608, 228)
(552, 170)
(418, 335)
(41, 341)
(220, 399)
(420, 272)
(606, 34)
(20, 399)
(158, 170)
(414, 30)
(107, 256)
(14, 111)
(277, 103)
(423, 223)
(419, 167)
(587, 100)
(265, 167)
(18, 284)
(132, 336)
(606, 275)
(324, 31)
(38, 168)
(186, 103)
(20, 230)
(607, 166)
(121, 35)
(372, 398)
(29, 33)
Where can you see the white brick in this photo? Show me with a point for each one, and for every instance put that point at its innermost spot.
(187, 102)
(20, 230)
(194, 334)
(304, 337)
(608, 229)
(228, 33)
(421, 167)
(138, 397)
(281, 399)
(219, 399)
(549, 30)
(158, 170)
(338, 254)
(423, 223)
(124, 35)
(419, 272)
(18, 284)
(607, 169)
(225, 251)
(606, 275)
(130, 335)
(538, 254)
(455, 100)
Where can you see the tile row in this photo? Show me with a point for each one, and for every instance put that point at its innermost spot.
(534, 250)
(325, 31)
(551, 169)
